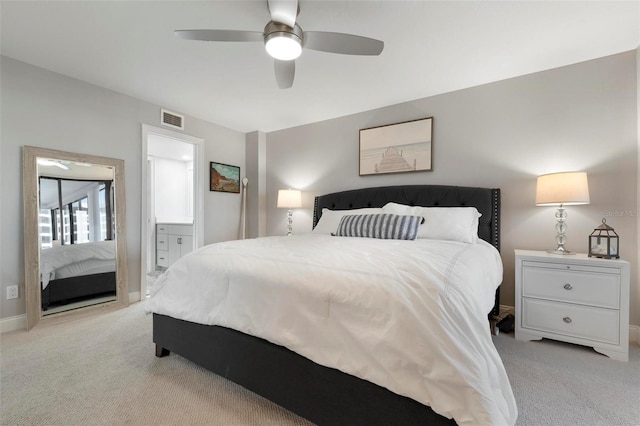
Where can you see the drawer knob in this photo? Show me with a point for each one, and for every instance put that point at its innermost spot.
(568, 286)
(567, 320)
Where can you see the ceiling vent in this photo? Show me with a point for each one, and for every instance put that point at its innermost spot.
(172, 119)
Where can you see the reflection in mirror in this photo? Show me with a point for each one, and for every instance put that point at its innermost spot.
(75, 239)
(77, 251)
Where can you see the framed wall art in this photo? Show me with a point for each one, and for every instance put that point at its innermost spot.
(224, 177)
(396, 148)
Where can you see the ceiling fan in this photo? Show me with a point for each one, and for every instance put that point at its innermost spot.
(284, 40)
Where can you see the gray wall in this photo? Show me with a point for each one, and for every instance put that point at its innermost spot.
(256, 173)
(581, 117)
(48, 110)
(638, 207)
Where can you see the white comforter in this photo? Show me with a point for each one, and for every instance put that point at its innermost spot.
(407, 315)
(58, 257)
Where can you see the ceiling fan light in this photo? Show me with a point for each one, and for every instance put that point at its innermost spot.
(283, 46)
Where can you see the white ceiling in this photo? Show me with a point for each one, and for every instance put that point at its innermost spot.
(430, 48)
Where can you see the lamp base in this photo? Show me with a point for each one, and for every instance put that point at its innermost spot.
(561, 236)
(289, 223)
(562, 252)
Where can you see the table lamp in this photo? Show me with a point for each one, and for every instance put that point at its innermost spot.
(289, 199)
(562, 189)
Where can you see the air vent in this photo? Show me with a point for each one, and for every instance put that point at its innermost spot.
(172, 119)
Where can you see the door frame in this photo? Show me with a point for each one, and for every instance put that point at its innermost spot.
(199, 178)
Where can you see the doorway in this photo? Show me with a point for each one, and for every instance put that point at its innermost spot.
(172, 179)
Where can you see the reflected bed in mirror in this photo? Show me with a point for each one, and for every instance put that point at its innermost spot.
(75, 243)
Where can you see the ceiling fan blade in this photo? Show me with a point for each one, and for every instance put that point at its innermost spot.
(346, 44)
(219, 35)
(285, 71)
(284, 11)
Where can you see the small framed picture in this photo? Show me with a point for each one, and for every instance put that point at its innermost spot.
(224, 177)
(396, 148)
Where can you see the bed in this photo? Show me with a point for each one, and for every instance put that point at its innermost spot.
(78, 271)
(324, 372)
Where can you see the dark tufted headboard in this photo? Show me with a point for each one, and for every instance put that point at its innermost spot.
(486, 200)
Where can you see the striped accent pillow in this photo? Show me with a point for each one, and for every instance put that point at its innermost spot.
(384, 226)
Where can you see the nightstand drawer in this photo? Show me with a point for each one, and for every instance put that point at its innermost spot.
(597, 324)
(597, 289)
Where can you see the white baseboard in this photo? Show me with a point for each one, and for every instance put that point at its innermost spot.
(19, 322)
(134, 297)
(634, 334)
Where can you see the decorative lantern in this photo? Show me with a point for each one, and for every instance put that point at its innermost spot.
(604, 242)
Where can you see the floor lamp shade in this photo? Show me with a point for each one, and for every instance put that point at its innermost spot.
(562, 189)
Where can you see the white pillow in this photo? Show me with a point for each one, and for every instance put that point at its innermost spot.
(330, 219)
(442, 223)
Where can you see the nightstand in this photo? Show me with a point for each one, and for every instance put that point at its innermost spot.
(573, 298)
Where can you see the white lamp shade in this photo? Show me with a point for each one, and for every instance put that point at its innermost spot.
(289, 199)
(567, 188)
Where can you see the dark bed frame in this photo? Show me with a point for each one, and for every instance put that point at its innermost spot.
(67, 290)
(323, 395)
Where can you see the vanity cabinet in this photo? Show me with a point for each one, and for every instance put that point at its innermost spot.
(573, 298)
(172, 242)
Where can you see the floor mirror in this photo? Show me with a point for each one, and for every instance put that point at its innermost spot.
(74, 234)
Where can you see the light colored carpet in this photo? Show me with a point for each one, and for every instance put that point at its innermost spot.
(102, 371)
(557, 383)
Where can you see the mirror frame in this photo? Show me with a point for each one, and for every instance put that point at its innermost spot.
(31, 200)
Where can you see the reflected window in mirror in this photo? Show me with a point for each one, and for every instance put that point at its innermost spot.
(75, 211)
